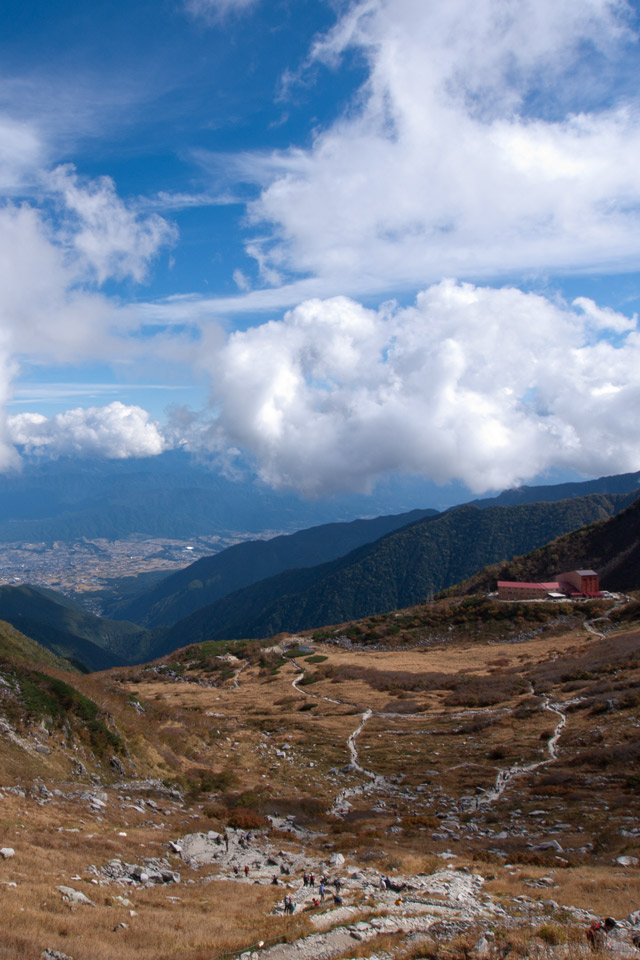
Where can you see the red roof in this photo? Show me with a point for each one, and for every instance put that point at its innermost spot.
(528, 586)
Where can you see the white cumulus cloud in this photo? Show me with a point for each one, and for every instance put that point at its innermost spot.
(112, 432)
(105, 232)
(488, 386)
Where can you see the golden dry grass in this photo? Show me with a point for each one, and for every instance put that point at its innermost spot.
(448, 751)
(187, 921)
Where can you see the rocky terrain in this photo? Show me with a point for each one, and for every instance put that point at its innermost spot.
(472, 796)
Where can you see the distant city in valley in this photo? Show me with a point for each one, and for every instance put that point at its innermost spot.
(81, 566)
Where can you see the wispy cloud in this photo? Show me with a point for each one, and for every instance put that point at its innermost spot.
(444, 165)
(215, 9)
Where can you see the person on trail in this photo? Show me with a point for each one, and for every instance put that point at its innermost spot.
(383, 882)
(312, 880)
(246, 870)
(337, 900)
(597, 933)
(235, 870)
(305, 880)
(337, 884)
(226, 841)
(321, 889)
(274, 881)
(316, 902)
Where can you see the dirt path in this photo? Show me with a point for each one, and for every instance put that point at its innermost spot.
(340, 805)
(505, 777)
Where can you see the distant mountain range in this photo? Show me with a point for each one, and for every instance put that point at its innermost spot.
(210, 578)
(397, 561)
(402, 568)
(176, 496)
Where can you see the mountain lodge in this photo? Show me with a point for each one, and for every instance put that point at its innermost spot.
(574, 584)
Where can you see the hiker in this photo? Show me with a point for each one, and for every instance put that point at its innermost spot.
(316, 902)
(312, 880)
(597, 933)
(305, 880)
(275, 882)
(337, 900)
(226, 841)
(246, 870)
(235, 870)
(337, 884)
(383, 882)
(321, 889)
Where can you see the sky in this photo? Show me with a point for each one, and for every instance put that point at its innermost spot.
(323, 242)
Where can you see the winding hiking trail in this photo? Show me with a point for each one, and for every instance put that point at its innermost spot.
(505, 777)
(340, 805)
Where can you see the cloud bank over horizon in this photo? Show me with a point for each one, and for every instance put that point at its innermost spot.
(491, 387)
(114, 432)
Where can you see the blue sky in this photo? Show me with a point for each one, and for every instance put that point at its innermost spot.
(332, 240)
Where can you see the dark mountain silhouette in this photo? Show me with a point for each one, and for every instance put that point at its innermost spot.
(210, 578)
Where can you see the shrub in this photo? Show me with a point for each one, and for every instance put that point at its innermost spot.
(243, 819)
(551, 934)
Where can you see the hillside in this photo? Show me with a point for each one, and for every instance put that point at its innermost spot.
(403, 568)
(489, 772)
(611, 547)
(17, 648)
(90, 642)
(210, 578)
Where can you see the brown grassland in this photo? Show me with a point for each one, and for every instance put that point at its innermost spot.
(220, 742)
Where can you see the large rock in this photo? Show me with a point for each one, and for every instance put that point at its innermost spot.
(75, 896)
(7, 852)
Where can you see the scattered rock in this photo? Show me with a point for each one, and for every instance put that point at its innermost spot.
(75, 896)
(117, 765)
(49, 954)
(7, 852)
(482, 948)
(549, 845)
(627, 861)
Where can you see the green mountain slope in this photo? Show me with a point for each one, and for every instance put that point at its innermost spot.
(58, 624)
(210, 578)
(402, 568)
(15, 647)
(171, 598)
(611, 547)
